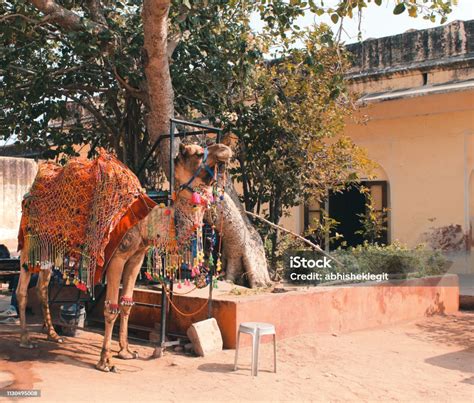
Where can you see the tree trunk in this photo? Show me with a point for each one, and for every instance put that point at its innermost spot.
(157, 71)
(243, 251)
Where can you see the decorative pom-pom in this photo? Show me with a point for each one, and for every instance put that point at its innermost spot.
(196, 198)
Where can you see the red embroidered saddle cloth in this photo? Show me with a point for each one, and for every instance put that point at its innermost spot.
(75, 215)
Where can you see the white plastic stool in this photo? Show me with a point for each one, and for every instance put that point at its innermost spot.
(256, 329)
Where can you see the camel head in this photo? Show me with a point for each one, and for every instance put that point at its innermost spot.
(195, 165)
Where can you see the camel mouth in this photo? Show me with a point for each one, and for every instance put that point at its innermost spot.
(224, 154)
(221, 160)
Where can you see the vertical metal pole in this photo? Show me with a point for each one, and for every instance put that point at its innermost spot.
(163, 305)
(211, 285)
(170, 297)
(163, 315)
(164, 308)
(327, 236)
(211, 274)
(171, 178)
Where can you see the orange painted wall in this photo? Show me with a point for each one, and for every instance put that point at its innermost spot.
(318, 309)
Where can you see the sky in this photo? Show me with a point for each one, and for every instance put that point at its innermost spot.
(379, 21)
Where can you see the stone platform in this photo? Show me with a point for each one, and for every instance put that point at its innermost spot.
(310, 310)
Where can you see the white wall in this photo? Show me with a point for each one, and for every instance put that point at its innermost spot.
(16, 177)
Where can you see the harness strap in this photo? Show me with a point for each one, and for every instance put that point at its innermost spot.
(204, 166)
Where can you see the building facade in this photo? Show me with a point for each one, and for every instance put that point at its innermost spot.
(416, 98)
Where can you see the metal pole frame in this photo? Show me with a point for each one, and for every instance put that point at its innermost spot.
(205, 129)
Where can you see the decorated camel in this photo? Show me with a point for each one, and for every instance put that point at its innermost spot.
(91, 221)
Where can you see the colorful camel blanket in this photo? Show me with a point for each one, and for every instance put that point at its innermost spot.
(75, 215)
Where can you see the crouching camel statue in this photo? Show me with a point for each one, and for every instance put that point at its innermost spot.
(66, 213)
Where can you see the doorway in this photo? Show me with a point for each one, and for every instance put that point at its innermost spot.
(347, 208)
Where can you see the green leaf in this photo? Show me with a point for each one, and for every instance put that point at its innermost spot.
(187, 4)
(378, 2)
(399, 8)
(334, 18)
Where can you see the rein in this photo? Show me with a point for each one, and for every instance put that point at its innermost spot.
(202, 166)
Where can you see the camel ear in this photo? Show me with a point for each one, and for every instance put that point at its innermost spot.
(183, 149)
(189, 150)
(230, 140)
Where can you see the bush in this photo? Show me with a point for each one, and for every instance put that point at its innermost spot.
(397, 260)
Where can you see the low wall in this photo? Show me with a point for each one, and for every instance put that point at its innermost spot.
(318, 309)
(16, 177)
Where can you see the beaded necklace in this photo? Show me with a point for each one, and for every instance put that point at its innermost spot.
(183, 248)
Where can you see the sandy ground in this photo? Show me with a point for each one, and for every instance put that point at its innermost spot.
(428, 360)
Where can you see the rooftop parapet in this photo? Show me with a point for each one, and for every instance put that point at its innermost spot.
(423, 49)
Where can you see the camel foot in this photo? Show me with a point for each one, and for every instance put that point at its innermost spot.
(126, 354)
(25, 342)
(106, 368)
(158, 353)
(55, 338)
(105, 363)
(28, 345)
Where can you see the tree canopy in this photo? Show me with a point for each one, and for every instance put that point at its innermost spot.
(73, 75)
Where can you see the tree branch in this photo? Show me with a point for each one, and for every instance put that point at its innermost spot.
(135, 92)
(8, 16)
(95, 10)
(88, 88)
(65, 18)
(102, 120)
(173, 42)
(20, 69)
(303, 239)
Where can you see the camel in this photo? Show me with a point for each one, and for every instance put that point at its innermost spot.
(191, 172)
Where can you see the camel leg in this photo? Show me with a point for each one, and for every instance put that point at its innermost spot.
(111, 310)
(22, 297)
(130, 274)
(42, 290)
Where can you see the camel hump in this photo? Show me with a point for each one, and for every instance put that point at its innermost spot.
(70, 211)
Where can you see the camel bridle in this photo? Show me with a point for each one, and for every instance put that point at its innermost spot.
(202, 166)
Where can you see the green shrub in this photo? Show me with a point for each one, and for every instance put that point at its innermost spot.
(397, 260)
